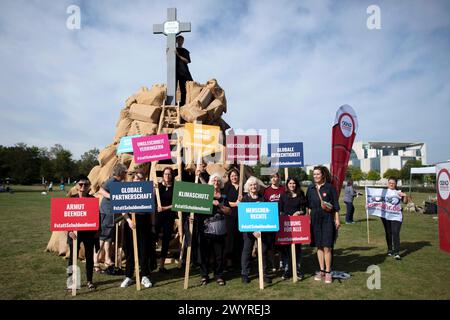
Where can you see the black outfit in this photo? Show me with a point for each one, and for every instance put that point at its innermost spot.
(90, 241)
(233, 241)
(288, 206)
(106, 214)
(392, 231)
(189, 176)
(182, 73)
(249, 241)
(323, 228)
(165, 219)
(212, 244)
(143, 228)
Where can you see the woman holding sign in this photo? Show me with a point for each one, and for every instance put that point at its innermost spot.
(392, 227)
(292, 203)
(212, 235)
(323, 205)
(252, 186)
(233, 242)
(143, 226)
(165, 217)
(89, 238)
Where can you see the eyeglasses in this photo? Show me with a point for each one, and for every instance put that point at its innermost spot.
(83, 184)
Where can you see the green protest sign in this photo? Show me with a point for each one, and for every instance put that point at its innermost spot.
(192, 197)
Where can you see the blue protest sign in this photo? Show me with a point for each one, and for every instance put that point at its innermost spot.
(285, 155)
(125, 145)
(132, 197)
(258, 216)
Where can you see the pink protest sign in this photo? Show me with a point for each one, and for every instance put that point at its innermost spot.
(243, 148)
(151, 148)
(293, 229)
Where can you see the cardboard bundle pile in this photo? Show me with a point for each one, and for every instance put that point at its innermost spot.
(140, 116)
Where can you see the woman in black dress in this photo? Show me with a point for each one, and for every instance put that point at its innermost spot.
(212, 234)
(323, 205)
(292, 203)
(233, 241)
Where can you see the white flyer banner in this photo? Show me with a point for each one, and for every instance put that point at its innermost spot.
(384, 203)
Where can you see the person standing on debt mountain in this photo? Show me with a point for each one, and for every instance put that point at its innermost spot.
(182, 69)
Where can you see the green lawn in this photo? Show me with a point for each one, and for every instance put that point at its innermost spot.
(30, 273)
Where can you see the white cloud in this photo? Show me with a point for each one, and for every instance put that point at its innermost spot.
(283, 64)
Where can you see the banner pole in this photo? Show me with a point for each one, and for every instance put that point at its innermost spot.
(74, 264)
(260, 263)
(181, 252)
(367, 218)
(286, 175)
(294, 263)
(136, 254)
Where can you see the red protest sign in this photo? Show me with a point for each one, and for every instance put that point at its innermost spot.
(74, 214)
(293, 230)
(243, 148)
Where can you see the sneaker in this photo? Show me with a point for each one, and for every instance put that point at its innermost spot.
(390, 254)
(125, 283)
(328, 277)
(146, 282)
(319, 275)
(285, 276)
(300, 276)
(397, 257)
(245, 279)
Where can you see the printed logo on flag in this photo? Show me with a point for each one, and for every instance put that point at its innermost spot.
(132, 197)
(346, 125)
(444, 184)
(243, 148)
(74, 214)
(286, 154)
(151, 148)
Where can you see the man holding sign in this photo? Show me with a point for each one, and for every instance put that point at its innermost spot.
(248, 217)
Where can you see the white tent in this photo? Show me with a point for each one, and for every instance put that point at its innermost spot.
(421, 170)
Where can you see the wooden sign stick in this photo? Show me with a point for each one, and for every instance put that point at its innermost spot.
(294, 263)
(241, 178)
(74, 264)
(260, 264)
(116, 251)
(191, 227)
(136, 254)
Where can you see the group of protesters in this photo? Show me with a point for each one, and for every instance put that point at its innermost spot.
(217, 244)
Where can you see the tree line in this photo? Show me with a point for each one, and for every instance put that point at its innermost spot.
(23, 164)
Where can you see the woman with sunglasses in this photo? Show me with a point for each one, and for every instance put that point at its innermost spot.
(89, 238)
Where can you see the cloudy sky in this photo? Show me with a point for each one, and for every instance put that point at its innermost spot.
(285, 65)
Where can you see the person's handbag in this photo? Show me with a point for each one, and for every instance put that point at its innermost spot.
(216, 225)
(326, 206)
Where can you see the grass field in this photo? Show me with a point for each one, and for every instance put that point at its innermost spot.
(27, 272)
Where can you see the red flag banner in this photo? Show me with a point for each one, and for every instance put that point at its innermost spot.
(443, 193)
(343, 135)
(243, 148)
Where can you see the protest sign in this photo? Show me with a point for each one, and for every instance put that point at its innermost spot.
(202, 140)
(132, 197)
(125, 144)
(293, 230)
(192, 197)
(151, 148)
(258, 216)
(286, 155)
(72, 214)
